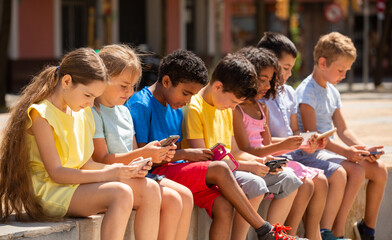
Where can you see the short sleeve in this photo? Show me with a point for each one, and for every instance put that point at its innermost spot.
(99, 132)
(307, 96)
(141, 117)
(293, 99)
(192, 124)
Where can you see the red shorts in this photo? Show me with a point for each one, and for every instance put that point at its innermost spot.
(193, 176)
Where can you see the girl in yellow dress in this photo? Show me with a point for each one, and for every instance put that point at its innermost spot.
(46, 166)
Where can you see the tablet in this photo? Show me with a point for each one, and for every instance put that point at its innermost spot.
(327, 134)
(306, 136)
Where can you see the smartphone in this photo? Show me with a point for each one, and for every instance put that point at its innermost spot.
(220, 153)
(171, 139)
(371, 153)
(276, 163)
(140, 163)
(327, 134)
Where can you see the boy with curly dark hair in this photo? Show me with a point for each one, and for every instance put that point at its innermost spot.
(157, 114)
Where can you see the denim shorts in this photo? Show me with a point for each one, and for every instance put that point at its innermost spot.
(322, 159)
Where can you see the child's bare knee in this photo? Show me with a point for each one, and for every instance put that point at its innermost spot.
(222, 208)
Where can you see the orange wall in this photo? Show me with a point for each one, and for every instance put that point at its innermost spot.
(173, 25)
(36, 34)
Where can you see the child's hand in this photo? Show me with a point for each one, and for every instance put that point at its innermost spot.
(143, 172)
(170, 153)
(322, 143)
(258, 167)
(292, 142)
(374, 157)
(198, 154)
(120, 172)
(156, 152)
(312, 145)
(356, 153)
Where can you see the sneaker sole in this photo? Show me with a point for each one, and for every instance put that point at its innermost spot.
(356, 231)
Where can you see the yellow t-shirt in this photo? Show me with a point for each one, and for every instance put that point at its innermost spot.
(203, 121)
(73, 138)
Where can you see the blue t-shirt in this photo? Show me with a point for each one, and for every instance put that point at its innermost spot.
(116, 126)
(280, 110)
(151, 119)
(323, 100)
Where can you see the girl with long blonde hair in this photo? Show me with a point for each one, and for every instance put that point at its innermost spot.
(46, 166)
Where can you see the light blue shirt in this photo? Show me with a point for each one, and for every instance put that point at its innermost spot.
(280, 110)
(323, 100)
(116, 126)
(151, 119)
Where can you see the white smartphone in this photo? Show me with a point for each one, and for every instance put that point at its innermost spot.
(327, 134)
(306, 136)
(140, 163)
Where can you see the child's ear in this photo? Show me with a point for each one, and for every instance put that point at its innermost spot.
(322, 63)
(66, 81)
(166, 82)
(217, 85)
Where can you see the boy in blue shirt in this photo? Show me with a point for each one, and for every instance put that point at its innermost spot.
(157, 114)
(319, 109)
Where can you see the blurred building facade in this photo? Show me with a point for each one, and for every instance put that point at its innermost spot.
(43, 30)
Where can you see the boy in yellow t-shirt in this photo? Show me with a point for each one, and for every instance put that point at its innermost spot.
(208, 119)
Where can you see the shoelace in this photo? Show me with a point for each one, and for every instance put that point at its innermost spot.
(280, 232)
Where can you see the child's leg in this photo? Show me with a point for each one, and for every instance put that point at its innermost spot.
(182, 228)
(284, 186)
(336, 186)
(378, 176)
(279, 208)
(355, 178)
(114, 198)
(218, 173)
(304, 194)
(171, 208)
(315, 207)
(222, 211)
(254, 188)
(147, 202)
(240, 225)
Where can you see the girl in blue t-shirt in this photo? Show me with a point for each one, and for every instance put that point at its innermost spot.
(115, 141)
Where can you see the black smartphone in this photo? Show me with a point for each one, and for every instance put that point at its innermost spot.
(371, 153)
(171, 139)
(276, 163)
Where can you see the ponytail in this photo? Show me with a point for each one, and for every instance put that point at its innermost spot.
(16, 189)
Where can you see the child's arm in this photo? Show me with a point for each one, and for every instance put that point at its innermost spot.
(294, 124)
(349, 138)
(242, 139)
(249, 162)
(153, 150)
(44, 136)
(196, 152)
(309, 123)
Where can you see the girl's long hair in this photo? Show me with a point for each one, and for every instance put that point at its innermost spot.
(16, 189)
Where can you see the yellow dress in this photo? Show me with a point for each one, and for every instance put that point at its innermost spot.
(73, 137)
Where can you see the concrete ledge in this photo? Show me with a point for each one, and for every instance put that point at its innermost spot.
(89, 228)
(39, 230)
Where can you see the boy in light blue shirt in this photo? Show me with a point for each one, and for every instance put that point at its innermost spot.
(319, 109)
